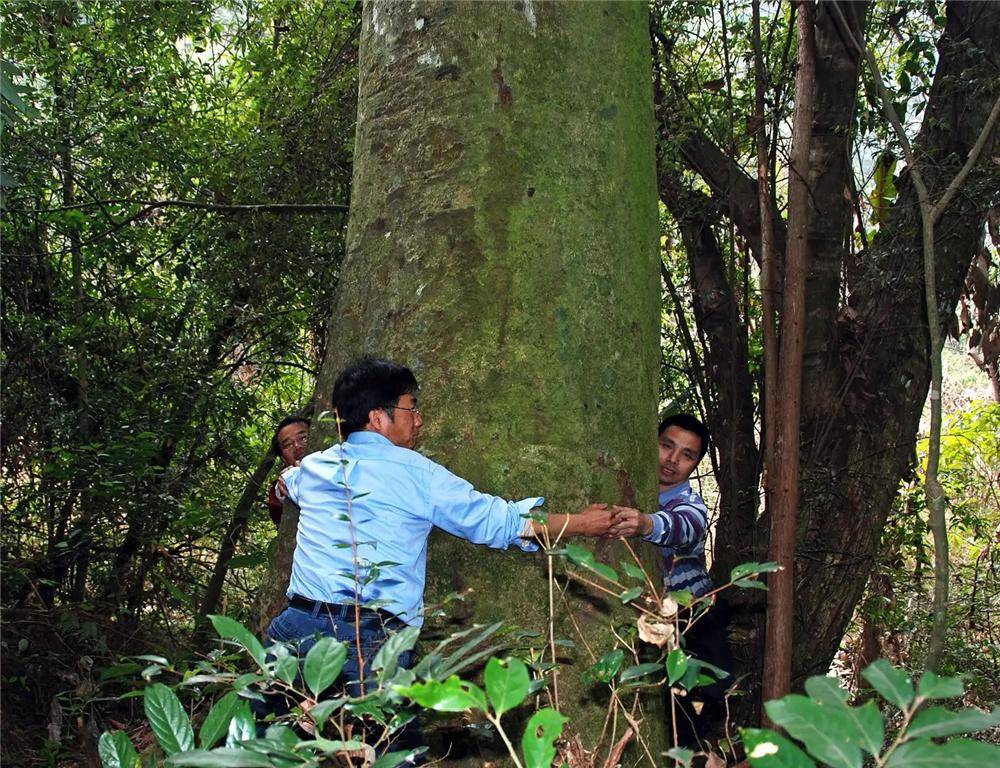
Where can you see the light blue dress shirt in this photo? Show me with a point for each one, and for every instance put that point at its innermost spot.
(396, 497)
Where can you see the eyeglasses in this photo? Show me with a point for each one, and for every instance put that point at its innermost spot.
(301, 440)
(414, 409)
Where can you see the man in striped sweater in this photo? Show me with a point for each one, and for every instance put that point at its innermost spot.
(680, 527)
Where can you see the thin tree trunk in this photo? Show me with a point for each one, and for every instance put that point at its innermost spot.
(769, 331)
(780, 596)
(234, 532)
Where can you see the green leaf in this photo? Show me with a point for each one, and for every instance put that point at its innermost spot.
(116, 750)
(507, 683)
(538, 742)
(606, 571)
(933, 687)
(750, 584)
(639, 670)
(168, 719)
(386, 659)
(868, 727)
(331, 746)
(392, 759)
(766, 749)
(321, 711)
(230, 629)
(452, 695)
(956, 753)
(287, 668)
(243, 726)
(115, 671)
(323, 664)
(884, 192)
(607, 666)
(893, 684)
(826, 738)
(579, 555)
(752, 569)
(826, 690)
(677, 664)
(223, 757)
(630, 594)
(216, 723)
(681, 755)
(938, 721)
(631, 569)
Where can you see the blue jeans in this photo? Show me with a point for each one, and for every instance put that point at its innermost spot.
(299, 628)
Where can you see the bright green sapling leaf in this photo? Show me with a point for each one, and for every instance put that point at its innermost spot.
(957, 753)
(223, 757)
(677, 664)
(538, 742)
(639, 671)
(242, 727)
(766, 749)
(386, 660)
(168, 719)
(116, 750)
(827, 738)
(323, 664)
(507, 683)
(452, 695)
(893, 684)
(933, 687)
(230, 629)
(935, 722)
(607, 666)
(826, 690)
(216, 723)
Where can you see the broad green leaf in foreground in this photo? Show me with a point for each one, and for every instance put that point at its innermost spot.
(223, 757)
(116, 750)
(168, 719)
(452, 695)
(824, 737)
(935, 722)
(931, 686)
(230, 629)
(957, 753)
(677, 664)
(507, 683)
(216, 724)
(894, 684)
(323, 664)
(538, 742)
(766, 749)
(386, 659)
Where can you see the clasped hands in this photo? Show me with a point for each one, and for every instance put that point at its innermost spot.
(615, 522)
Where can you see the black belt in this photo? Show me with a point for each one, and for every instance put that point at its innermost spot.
(336, 610)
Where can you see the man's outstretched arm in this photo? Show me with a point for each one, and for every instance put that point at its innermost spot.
(594, 520)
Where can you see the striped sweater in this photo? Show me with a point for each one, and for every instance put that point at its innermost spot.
(681, 527)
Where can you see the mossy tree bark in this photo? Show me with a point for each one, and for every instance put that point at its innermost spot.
(503, 243)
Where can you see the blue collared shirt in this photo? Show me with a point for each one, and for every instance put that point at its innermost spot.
(680, 526)
(396, 497)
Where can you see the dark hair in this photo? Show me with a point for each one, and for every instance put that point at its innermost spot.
(368, 385)
(688, 423)
(294, 418)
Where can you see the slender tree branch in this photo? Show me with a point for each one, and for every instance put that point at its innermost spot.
(150, 205)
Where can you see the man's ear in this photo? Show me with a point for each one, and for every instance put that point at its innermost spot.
(376, 419)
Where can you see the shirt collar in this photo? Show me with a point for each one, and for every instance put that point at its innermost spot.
(364, 436)
(672, 493)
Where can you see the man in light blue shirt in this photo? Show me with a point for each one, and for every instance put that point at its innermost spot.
(367, 507)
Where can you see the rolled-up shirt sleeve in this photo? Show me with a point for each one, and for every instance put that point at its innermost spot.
(461, 510)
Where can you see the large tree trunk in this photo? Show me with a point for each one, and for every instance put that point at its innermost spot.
(503, 243)
(867, 370)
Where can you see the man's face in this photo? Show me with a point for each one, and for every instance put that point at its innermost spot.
(679, 451)
(402, 424)
(292, 440)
